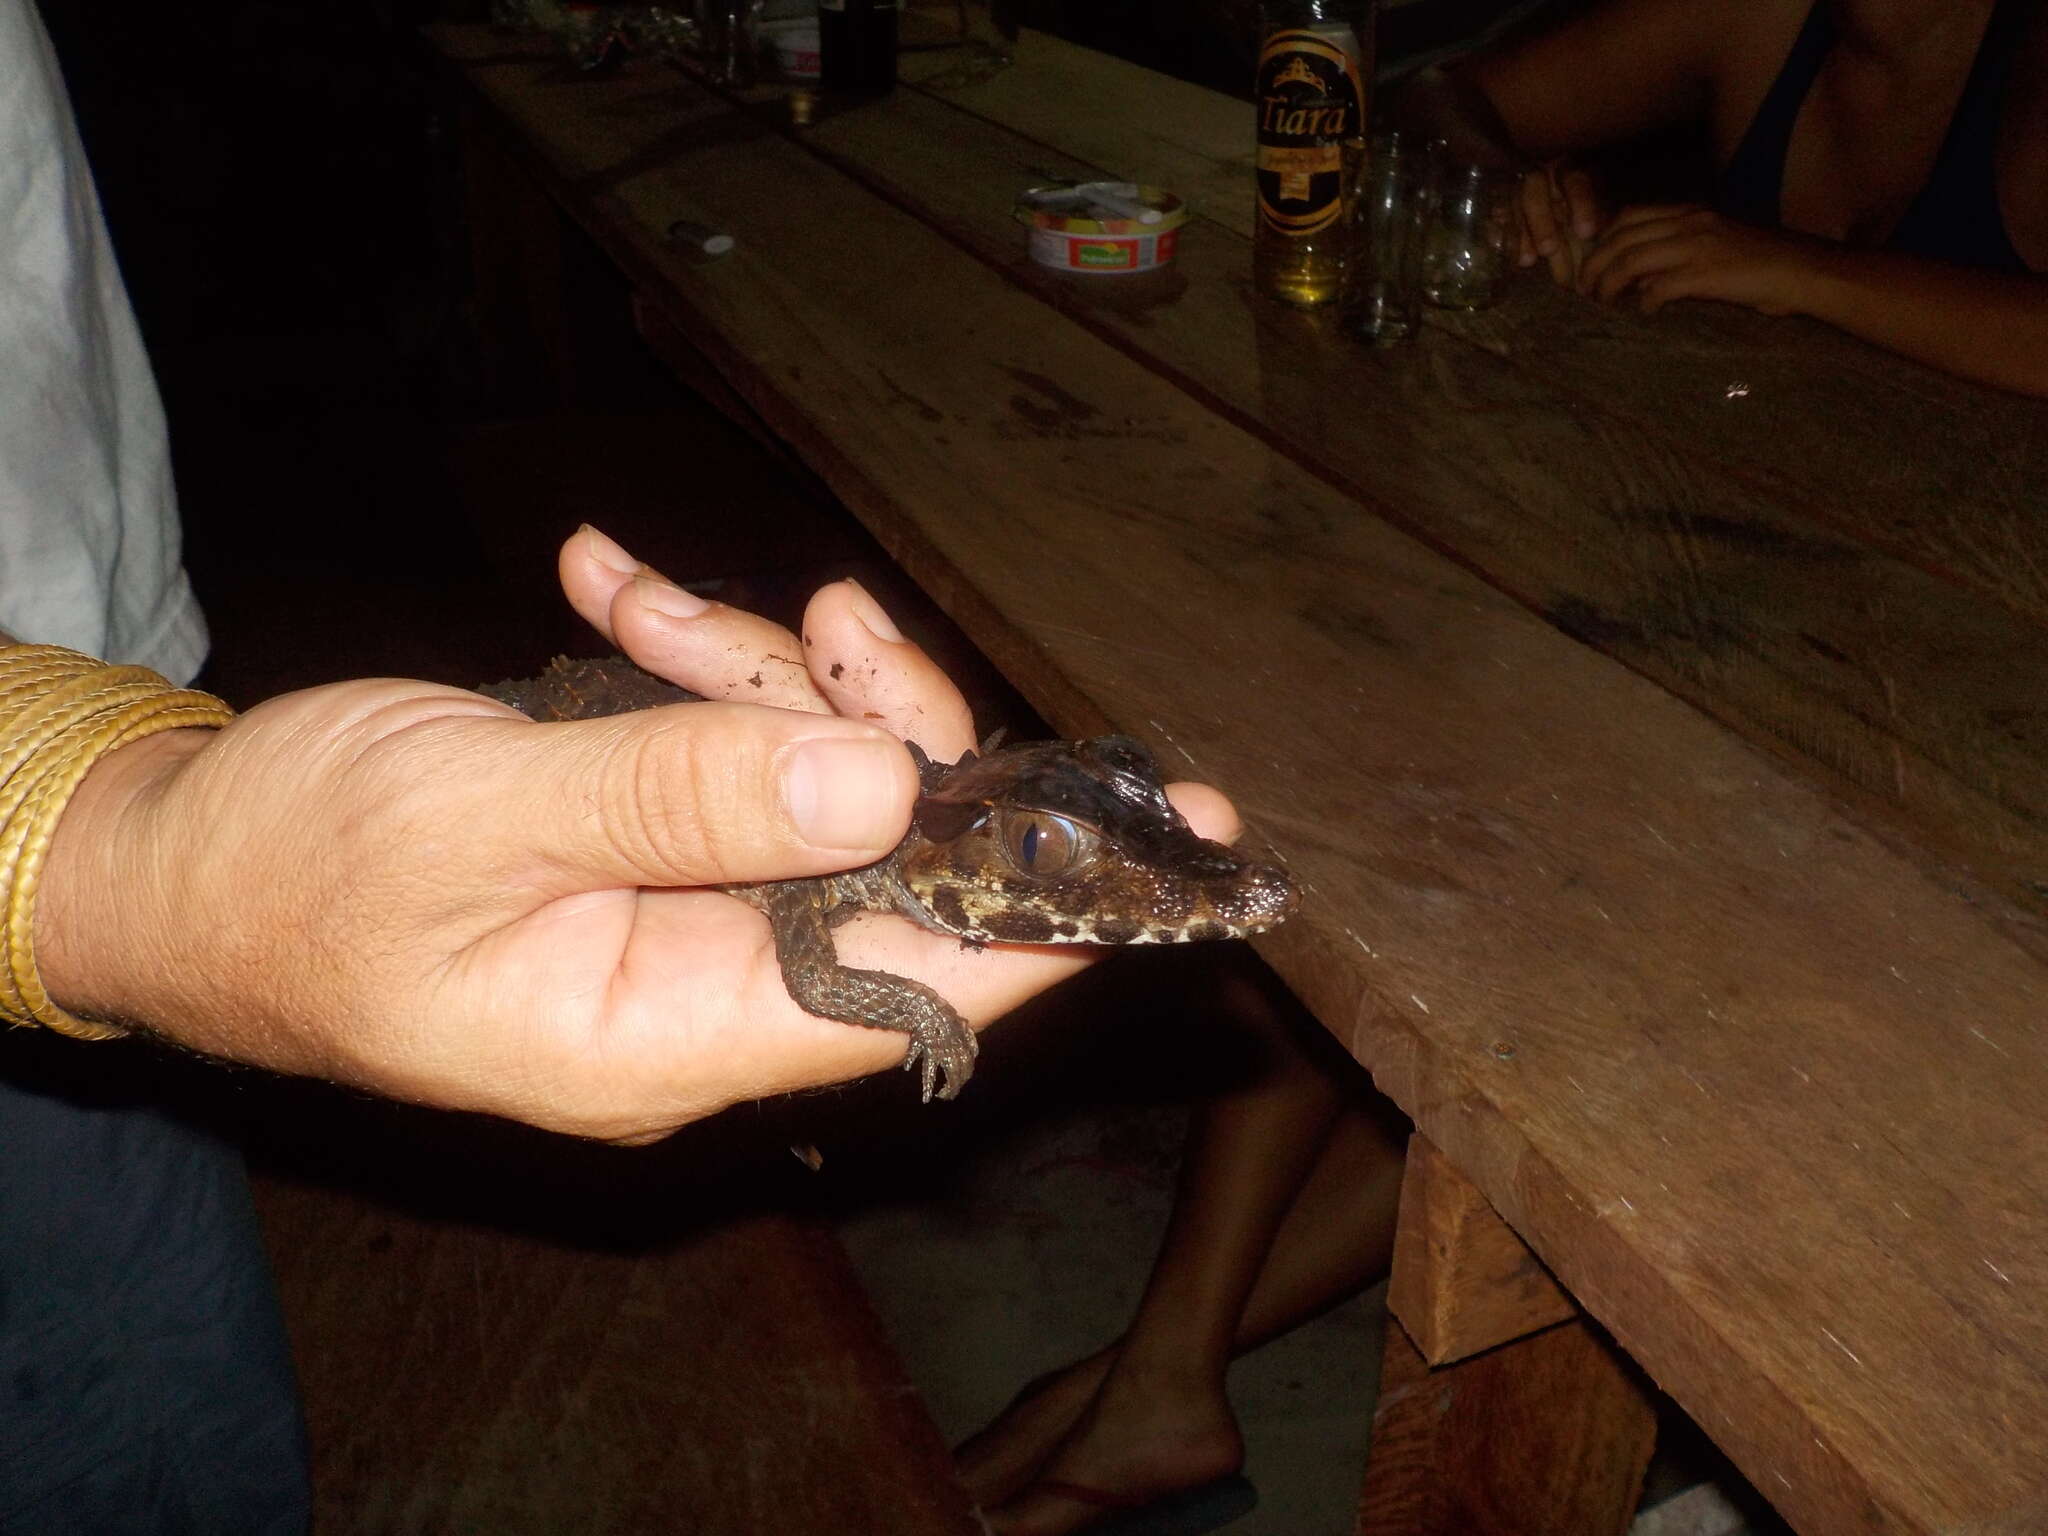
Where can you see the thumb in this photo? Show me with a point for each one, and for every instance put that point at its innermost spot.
(698, 794)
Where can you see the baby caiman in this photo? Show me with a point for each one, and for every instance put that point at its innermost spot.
(1049, 842)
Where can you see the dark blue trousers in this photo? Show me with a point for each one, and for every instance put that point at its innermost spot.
(145, 1382)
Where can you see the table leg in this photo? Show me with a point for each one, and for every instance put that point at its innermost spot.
(1501, 1412)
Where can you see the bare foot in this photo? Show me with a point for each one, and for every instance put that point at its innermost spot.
(996, 1463)
(1138, 1441)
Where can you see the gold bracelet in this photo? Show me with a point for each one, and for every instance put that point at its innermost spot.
(60, 713)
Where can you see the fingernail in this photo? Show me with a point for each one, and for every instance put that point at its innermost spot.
(1546, 247)
(662, 597)
(846, 791)
(608, 554)
(1583, 229)
(871, 615)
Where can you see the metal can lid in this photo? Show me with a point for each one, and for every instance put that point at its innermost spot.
(1102, 208)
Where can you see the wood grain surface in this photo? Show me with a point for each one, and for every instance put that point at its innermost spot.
(1759, 1086)
(735, 1381)
(1547, 1436)
(1842, 555)
(1462, 1281)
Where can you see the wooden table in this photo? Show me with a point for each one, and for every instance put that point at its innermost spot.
(1653, 711)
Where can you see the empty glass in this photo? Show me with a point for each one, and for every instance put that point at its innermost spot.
(1383, 293)
(984, 45)
(1469, 235)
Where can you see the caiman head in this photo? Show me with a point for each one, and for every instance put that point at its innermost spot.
(1074, 842)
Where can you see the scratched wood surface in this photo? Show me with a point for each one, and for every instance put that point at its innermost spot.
(1763, 1094)
(1958, 476)
(1847, 560)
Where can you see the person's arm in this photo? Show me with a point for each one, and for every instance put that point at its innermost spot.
(1991, 327)
(411, 889)
(1988, 326)
(1447, 104)
(1623, 69)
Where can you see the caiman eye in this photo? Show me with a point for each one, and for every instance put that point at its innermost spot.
(1039, 843)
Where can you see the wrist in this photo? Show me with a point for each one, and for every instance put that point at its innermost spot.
(1819, 281)
(95, 909)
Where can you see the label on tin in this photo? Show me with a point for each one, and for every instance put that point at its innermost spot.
(1310, 105)
(1103, 253)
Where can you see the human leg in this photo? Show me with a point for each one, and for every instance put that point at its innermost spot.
(1285, 1206)
(1338, 1235)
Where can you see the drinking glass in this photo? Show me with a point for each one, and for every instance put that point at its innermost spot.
(1469, 235)
(1383, 292)
(984, 46)
(728, 34)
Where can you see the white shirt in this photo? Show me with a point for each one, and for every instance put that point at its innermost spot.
(88, 520)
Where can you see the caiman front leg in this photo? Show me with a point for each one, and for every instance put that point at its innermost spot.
(802, 923)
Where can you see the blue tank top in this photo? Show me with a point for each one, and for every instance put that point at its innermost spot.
(1955, 216)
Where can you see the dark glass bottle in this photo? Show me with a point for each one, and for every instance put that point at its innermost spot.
(857, 46)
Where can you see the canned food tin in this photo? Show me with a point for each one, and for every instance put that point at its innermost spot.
(1102, 226)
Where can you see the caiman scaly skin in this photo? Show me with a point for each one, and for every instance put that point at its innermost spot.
(1050, 842)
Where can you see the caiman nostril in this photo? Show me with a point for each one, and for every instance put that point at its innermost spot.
(1259, 896)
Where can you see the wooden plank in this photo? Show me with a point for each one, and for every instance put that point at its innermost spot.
(1938, 471)
(1673, 549)
(1547, 1436)
(1771, 1099)
(1462, 1281)
(461, 1378)
(1082, 105)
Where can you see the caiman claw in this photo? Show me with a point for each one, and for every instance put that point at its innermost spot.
(942, 1046)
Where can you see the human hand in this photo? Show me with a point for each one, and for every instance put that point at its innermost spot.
(1661, 252)
(412, 889)
(1560, 216)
